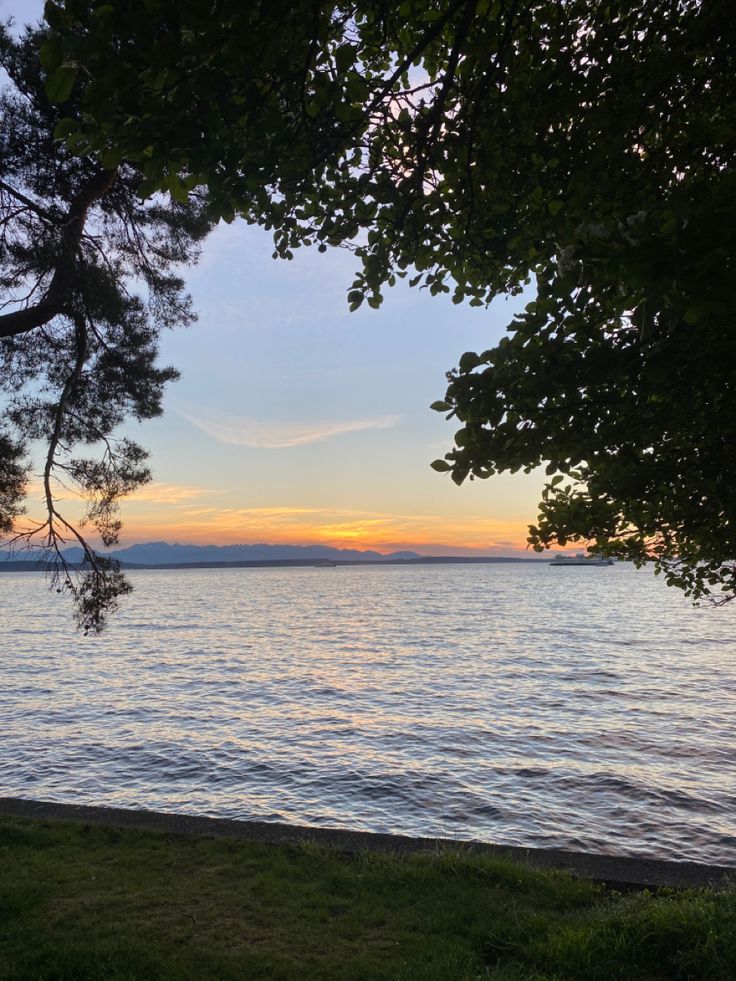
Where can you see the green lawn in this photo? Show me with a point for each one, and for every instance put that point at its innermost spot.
(79, 903)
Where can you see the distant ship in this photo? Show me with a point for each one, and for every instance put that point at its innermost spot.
(580, 559)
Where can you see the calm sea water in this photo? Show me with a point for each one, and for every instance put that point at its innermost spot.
(577, 708)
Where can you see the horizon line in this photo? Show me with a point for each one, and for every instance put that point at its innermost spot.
(430, 550)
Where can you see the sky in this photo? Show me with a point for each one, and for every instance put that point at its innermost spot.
(298, 422)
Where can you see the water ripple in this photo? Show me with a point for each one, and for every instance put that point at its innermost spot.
(591, 711)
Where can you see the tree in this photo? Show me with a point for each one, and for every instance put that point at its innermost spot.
(478, 146)
(86, 274)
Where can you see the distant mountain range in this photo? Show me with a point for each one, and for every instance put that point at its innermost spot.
(163, 553)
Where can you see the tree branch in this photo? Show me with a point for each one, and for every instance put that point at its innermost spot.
(417, 50)
(54, 302)
(80, 335)
(36, 208)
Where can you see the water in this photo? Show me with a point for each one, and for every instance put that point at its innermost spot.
(577, 708)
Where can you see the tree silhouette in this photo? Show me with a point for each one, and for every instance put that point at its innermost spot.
(87, 280)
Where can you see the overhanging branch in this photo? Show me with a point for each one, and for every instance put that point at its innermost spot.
(55, 300)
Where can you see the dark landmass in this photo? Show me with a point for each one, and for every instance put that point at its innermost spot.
(322, 564)
(162, 555)
(17, 565)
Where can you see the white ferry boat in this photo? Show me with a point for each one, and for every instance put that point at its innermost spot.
(580, 559)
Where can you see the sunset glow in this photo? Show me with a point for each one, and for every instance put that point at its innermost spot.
(297, 422)
(183, 514)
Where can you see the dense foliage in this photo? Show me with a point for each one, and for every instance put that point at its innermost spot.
(587, 148)
(478, 146)
(87, 285)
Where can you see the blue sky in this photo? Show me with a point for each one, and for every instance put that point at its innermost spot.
(298, 421)
(287, 400)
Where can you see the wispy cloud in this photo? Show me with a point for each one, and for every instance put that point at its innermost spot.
(153, 493)
(156, 493)
(258, 434)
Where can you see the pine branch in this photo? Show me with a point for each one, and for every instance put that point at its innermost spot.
(54, 302)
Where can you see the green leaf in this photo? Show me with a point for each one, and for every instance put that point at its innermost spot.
(344, 112)
(111, 158)
(441, 466)
(179, 193)
(357, 89)
(78, 144)
(65, 127)
(440, 406)
(51, 55)
(56, 17)
(60, 83)
(146, 188)
(345, 57)
(469, 360)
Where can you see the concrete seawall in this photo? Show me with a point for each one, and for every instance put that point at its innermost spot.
(618, 873)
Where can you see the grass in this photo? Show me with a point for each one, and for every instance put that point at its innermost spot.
(80, 903)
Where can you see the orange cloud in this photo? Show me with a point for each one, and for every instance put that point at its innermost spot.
(167, 494)
(187, 513)
(153, 493)
(342, 528)
(171, 512)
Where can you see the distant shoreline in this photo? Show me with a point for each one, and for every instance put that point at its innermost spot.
(39, 565)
